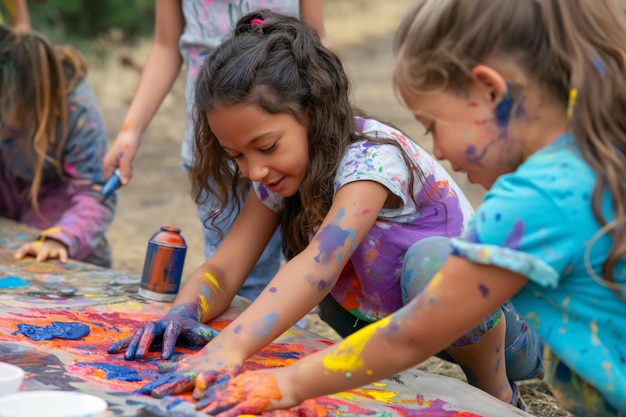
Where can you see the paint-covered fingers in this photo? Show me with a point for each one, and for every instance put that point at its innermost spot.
(150, 332)
(181, 383)
(247, 393)
(119, 346)
(199, 334)
(133, 343)
(206, 381)
(308, 408)
(169, 384)
(170, 336)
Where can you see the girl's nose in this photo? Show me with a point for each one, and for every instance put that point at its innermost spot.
(257, 171)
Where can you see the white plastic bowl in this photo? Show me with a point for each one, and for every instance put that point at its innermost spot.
(11, 378)
(51, 404)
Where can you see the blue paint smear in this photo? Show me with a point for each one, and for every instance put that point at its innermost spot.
(263, 327)
(58, 329)
(85, 347)
(13, 282)
(114, 371)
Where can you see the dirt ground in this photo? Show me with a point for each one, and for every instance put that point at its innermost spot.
(361, 32)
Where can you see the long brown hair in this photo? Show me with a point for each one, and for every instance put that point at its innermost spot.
(35, 79)
(564, 45)
(281, 66)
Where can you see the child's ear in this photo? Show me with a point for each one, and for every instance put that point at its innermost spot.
(491, 82)
(495, 90)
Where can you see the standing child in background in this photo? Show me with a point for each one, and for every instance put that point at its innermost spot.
(15, 14)
(350, 194)
(52, 144)
(188, 31)
(529, 98)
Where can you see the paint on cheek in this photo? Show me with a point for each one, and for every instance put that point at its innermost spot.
(273, 289)
(346, 357)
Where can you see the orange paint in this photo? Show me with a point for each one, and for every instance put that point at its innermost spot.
(127, 125)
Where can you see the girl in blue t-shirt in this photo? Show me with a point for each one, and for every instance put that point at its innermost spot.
(528, 97)
(351, 196)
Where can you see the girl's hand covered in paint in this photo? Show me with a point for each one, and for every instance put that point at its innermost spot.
(181, 377)
(251, 392)
(180, 323)
(44, 249)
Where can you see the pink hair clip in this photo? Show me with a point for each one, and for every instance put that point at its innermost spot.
(256, 22)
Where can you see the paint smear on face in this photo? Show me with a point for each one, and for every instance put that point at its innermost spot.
(347, 356)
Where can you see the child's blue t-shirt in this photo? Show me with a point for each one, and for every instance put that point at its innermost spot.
(369, 285)
(538, 222)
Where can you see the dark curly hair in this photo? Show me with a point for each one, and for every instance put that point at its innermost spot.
(281, 66)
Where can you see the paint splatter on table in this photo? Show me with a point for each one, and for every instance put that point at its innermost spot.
(106, 300)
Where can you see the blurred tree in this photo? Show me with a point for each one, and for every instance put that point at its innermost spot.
(65, 20)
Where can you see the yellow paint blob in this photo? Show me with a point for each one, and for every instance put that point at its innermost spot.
(131, 305)
(347, 356)
(381, 396)
(204, 304)
(51, 231)
(212, 280)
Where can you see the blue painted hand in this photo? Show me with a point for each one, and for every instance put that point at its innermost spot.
(180, 326)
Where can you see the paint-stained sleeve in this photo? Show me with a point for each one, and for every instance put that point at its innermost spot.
(520, 228)
(85, 219)
(372, 161)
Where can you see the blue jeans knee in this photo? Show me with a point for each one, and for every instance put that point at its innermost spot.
(524, 348)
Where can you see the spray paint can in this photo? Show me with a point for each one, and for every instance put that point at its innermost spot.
(163, 266)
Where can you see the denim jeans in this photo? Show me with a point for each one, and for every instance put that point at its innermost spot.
(524, 348)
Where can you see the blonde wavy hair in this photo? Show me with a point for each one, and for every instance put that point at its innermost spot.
(564, 45)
